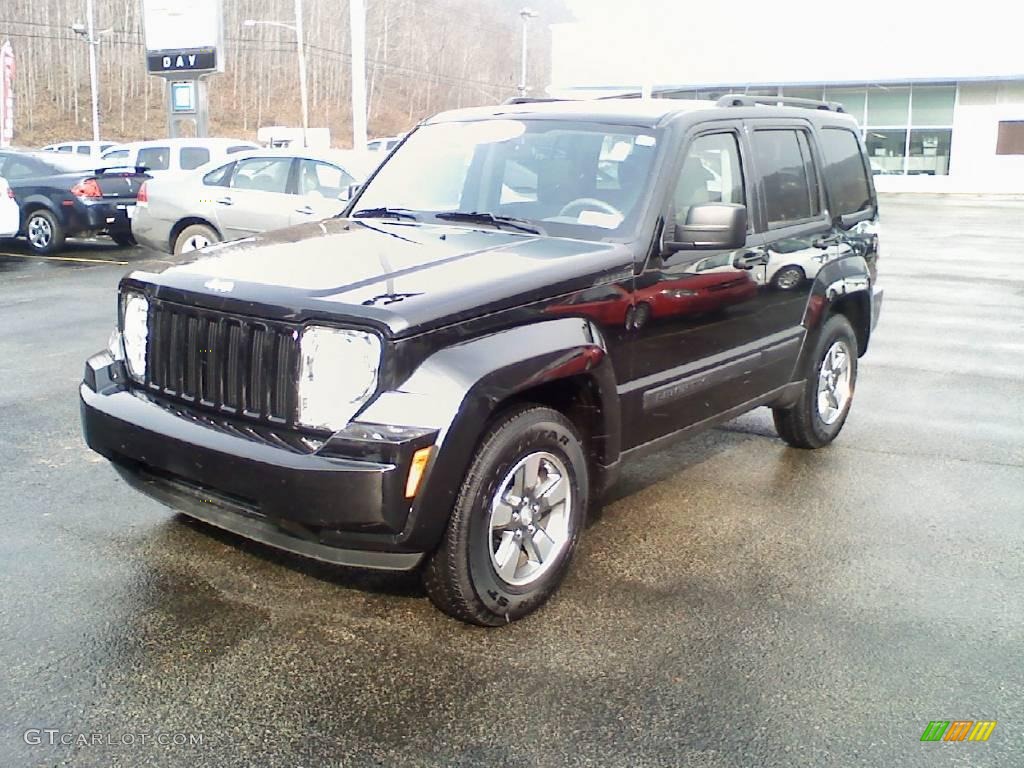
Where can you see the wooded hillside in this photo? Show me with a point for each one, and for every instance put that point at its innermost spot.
(422, 56)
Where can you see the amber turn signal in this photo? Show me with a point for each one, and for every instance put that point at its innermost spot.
(419, 464)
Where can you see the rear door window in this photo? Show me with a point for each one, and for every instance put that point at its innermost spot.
(155, 158)
(84, 149)
(263, 174)
(193, 157)
(783, 157)
(845, 174)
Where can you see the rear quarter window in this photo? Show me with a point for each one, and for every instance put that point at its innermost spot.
(845, 174)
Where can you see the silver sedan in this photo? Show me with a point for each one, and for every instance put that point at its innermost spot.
(252, 192)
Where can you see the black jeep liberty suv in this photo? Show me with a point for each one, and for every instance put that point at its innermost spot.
(521, 298)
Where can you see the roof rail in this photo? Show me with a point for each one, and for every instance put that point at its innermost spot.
(745, 100)
(530, 99)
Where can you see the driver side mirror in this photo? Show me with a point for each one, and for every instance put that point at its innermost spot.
(348, 193)
(711, 227)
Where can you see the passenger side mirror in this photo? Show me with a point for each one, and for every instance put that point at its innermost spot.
(711, 227)
(348, 193)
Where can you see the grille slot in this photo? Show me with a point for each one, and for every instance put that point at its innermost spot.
(230, 364)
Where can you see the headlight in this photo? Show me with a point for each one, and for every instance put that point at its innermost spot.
(337, 375)
(134, 334)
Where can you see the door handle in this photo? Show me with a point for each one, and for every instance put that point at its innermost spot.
(307, 211)
(750, 259)
(226, 201)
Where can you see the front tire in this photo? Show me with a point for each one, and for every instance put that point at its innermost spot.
(818, 416)
(516, 521)
(44, 232)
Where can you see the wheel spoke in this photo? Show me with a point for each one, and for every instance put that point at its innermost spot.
(501, 516)
(532, 546)
(553, 493)
(515, 493)
(507, 556)
(532, 471)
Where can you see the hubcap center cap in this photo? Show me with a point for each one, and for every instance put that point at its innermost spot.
(526, 515)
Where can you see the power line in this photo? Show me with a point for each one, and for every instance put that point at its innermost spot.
(252, 44)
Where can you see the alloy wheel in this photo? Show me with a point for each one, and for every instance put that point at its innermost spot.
(835, 379)
(530, 519)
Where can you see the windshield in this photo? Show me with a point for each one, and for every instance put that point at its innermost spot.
(569, 179)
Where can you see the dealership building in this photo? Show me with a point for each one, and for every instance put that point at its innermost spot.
(940, 100)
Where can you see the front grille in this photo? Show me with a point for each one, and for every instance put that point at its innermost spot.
(234, 365)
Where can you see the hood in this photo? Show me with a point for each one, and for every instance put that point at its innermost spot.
(404, 277)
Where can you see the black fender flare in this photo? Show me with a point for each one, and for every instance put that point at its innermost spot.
(843, 280)
(457, 390)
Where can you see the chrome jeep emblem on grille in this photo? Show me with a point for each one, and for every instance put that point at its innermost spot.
(220, 286)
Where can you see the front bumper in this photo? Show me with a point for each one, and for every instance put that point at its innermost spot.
(342, 503)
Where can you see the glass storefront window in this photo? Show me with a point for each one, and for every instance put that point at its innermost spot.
(933, 105)
(818, 94)
(886, 150)
(852, 100)
(929, 151)
(888, 106)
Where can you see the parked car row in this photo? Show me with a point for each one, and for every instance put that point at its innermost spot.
(188, 193)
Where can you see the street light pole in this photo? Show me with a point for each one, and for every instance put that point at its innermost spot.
(300, 47)
(357, 23)
(93, 85)
(525, 14)
(302, 73)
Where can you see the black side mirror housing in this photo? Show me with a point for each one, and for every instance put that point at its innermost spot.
(711, 227)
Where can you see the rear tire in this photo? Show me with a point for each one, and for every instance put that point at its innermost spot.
(194, 237)
(817, 418)
(44, 232)
(516, 520)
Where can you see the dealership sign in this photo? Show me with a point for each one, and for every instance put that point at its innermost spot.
(6, 95)
(183, 36)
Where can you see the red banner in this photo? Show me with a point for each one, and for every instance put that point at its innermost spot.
(6, 95)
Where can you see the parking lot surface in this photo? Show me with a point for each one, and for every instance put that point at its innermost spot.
(735, 603)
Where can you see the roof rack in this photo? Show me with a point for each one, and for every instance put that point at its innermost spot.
(744, 100)
(530, 99)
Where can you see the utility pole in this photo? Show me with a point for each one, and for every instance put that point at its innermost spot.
(302, 73)
(88, 32)
(525, 14)
(357, 22)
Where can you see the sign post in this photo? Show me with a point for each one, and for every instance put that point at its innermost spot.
(6, 94)
(184, 46)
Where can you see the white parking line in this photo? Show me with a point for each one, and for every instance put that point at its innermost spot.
(66, 258)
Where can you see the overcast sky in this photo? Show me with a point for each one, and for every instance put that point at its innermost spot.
(617, 41)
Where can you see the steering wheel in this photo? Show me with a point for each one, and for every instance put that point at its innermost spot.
(581, 204)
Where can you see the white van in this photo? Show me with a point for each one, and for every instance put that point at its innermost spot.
(84, 148)
(174, 155)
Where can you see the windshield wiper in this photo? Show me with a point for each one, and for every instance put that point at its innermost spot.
(384, 213)
(489, 218)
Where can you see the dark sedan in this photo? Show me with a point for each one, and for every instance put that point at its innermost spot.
(62, 197)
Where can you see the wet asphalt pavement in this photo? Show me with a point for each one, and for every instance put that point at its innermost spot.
(737, 603)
